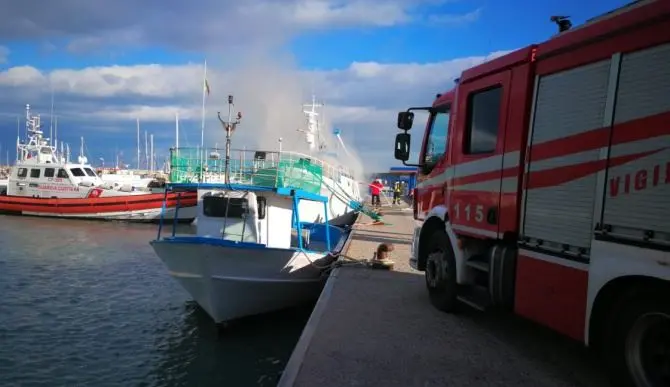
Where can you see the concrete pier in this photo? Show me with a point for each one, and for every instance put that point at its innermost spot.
(377, 328)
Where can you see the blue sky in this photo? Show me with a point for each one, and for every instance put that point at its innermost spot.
(365, 59)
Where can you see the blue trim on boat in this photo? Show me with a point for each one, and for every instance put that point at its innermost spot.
(212, 241)
(198, 240)
(229, 186)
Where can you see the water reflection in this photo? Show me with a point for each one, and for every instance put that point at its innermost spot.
(195, 354)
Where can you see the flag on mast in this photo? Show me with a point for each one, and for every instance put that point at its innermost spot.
(206, 87)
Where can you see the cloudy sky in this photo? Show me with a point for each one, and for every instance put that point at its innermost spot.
(112, 62)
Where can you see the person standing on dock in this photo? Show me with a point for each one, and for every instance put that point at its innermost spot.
(397, 190)
(375, 190)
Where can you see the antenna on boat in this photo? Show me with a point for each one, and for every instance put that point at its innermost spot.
(229, 126)
(51, 118)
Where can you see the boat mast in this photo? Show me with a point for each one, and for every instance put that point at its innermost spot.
(312, 131)
(55, 142)
(138, 143)
(51, 118)
(229, 127)
(151, 136)
(176, 135)
(82, 158)
(18, 136)
(146, 148)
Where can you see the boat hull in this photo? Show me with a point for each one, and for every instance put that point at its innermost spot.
(133, 208)
(231, 282)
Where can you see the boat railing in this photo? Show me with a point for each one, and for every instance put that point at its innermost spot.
(251, 167)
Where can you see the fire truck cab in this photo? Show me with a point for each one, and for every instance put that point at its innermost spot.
(544, 189)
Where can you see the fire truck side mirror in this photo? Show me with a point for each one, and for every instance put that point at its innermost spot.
(402, 142)
(405, 120)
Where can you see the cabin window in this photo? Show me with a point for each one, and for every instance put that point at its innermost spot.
(436, 143)
(34, 173)
(49, 172)
(483, 121)
(90, 172)
(62, 174)
(77, 172)
(23, 172)
(221, 207)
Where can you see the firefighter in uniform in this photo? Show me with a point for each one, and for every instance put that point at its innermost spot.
(397, 190)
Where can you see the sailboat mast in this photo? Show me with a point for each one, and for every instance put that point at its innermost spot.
(152, 152)
(18, 135)
(55, 143)
(146, 149)
(138, 143)
(51, 119)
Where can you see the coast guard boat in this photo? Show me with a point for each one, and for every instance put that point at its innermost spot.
(44, 183)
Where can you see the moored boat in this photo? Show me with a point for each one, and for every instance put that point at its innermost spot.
(251, 253)
(43, 183)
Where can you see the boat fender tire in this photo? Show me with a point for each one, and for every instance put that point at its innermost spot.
(440, 273)
(629, 346)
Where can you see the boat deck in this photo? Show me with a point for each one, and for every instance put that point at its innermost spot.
(377, 328)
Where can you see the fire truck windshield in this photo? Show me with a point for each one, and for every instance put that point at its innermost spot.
(436, 144)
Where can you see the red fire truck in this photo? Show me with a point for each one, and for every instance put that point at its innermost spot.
(544, 188)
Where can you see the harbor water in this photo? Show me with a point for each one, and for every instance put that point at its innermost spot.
(85, 303)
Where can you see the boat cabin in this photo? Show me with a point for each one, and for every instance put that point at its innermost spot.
(40, 180)
(259, 216)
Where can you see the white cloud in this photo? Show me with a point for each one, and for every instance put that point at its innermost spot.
(196, 25)
(456, 19)
(362, 99)
(4, 54)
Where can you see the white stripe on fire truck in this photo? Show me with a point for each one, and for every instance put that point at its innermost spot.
(511, 159)
(554, 260)
(565, 161)
(470, 168)
(646, 145)
(474, 230)
(508, 185)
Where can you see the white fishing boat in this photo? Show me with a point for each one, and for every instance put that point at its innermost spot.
(251, 253)
(44, 183)
(268, 224)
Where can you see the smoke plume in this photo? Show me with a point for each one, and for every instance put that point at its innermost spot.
(270, 92)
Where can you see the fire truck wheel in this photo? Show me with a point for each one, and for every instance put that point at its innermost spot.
(637, 350)
(441, 273)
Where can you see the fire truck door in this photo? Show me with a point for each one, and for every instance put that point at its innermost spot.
(432, 186)
(477, 155)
